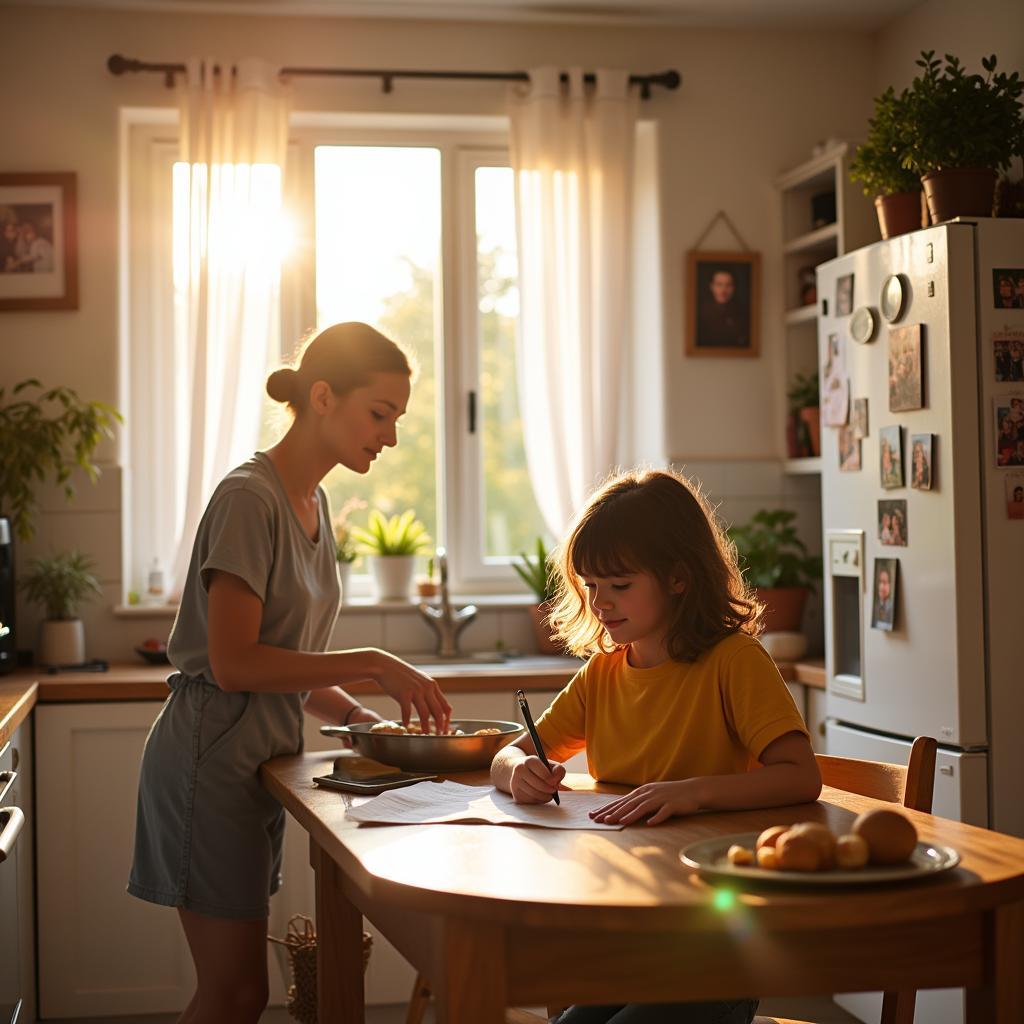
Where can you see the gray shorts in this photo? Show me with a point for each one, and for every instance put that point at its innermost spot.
(208, 836)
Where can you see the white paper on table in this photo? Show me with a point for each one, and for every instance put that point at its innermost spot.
(435, 802)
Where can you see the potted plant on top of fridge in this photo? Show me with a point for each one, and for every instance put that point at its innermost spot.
(60, 583)
(537, 572)
(878, 164)
(394, 542)
(961, 130)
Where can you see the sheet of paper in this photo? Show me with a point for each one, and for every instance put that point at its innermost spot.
(436, 802)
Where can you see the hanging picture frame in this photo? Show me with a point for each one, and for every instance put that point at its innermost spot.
(38, 242)
(723, 292)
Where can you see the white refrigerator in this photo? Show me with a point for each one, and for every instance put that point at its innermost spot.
(924, 547)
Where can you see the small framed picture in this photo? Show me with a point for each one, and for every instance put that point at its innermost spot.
(890, 456)
(1008, 348)
(1009, 429)
(1015, 495)
(849, 450)
(859, 418)
(1008, 287)
(921, 472)
(892, 522)
(38, 242)
(883, 604)
(844, 295)
(724, 298)
(906, 381)
(835, 399)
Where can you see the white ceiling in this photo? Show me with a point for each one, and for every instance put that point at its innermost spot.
(855, 15)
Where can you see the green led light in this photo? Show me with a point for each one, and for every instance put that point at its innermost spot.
(725, 899)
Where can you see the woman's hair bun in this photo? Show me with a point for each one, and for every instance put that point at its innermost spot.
(281, 384)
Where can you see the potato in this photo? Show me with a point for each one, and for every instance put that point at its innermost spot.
(822, 837)
(797, 852)
(891, 836)
(851, 851)
(767, 858)
(739, 855)
(770, 836)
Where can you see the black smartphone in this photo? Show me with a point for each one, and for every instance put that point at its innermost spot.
(360, 782)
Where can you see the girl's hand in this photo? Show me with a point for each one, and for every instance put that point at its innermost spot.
(658, 800)
(414, 689)
(532, 783)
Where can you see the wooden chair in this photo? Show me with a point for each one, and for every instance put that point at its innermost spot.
(911, 786)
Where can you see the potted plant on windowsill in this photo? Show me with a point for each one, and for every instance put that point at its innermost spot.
(961, 130)
(539, 575)
(60, 583)
(878, 164)
(775, 562)
(344, 548)
(393, 544)
(803, 429)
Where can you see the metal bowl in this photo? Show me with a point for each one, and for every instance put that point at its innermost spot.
(431, 753)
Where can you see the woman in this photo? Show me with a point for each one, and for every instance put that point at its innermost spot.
(249, 648)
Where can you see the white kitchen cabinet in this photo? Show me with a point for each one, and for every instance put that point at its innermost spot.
(102, 953)
(815, 718)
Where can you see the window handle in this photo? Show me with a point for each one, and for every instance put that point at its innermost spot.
(472, 412)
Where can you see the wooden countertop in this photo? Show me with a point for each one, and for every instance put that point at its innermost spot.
(17, 698)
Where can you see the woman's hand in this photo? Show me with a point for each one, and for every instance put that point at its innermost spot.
(657, 801)
(414, 689)
(532, 783)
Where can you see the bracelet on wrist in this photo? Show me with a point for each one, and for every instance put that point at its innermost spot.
(348, 714)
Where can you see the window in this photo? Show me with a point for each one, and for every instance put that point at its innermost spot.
(410, 227)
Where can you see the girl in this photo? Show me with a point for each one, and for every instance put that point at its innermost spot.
(249, 648)
(678, 699)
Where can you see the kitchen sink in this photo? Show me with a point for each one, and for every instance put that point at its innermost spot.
(470, 658)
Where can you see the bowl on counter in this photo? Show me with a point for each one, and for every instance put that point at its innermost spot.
(154, 655)
(430, 753)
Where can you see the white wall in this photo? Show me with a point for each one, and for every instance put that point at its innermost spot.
(751, 106)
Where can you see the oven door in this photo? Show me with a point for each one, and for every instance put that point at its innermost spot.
(12, 819)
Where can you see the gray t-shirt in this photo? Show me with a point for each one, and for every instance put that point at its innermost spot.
(250, 529)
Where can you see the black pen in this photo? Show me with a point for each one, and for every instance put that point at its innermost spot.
(528, 718)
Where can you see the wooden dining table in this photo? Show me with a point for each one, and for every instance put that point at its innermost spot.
(499, 916)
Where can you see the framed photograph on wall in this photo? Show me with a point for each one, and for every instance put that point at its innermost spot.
(38, 242)
(723, 295)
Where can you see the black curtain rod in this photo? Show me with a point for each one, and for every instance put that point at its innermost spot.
(118, 65)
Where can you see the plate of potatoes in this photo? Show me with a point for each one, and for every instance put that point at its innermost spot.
(880, 846)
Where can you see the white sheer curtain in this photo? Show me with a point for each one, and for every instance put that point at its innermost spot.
(572, 154)
(227, 238)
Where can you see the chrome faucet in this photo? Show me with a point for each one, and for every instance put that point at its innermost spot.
(447, 621)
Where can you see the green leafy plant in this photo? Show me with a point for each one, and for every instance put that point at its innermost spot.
(878, 162)
(398, 535)
(771, 554)
(959, 120)
(803, 392)
(537, 572)
(60, 583)
(344, 546)
(45, 437)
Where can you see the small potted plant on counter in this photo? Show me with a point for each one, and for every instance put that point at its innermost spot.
(393, 544)
(60, 583)
(879, 165)
(775, 562)
(538, 574)
(428, 584)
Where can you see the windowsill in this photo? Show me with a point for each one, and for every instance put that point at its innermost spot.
(358, 606)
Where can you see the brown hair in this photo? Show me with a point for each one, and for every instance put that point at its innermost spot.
(654, 521)
(345, 355)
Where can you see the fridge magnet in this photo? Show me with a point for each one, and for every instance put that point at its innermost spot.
(1008, 347)
(906, 387)
(1009, 429)
(890, 456)
(883, 606)
(38, 253)
(862, 324)
(1015, 495)
(921, 462)
(836, 397)
(723, 295)
(849, 450)
(893, 298)
(844, 295)
(892, 522)
(859, 418)
(1008, 287)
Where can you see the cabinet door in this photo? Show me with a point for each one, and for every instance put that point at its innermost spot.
(815, 718)
(21, 744)
(102, 953)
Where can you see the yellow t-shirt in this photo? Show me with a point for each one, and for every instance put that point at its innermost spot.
(713, 716)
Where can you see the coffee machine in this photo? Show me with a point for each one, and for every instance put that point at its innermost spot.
(8, 651)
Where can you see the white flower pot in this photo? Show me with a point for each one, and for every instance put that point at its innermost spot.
(345, 579)
(393, 575)
(61, 642)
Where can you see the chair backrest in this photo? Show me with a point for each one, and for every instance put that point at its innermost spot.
(911, 786)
